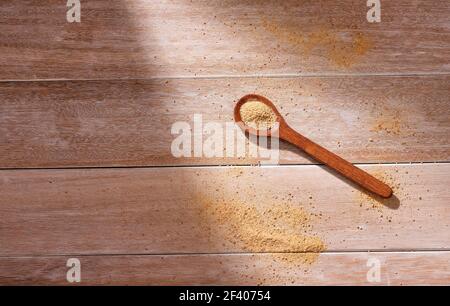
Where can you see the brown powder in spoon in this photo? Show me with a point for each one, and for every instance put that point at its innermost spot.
(257, 115)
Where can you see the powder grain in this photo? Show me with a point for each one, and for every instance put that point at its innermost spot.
(257, 115)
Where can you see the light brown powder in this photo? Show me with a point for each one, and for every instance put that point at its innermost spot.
(257, 115)
(389, 122)
(343, 51)
(278, 229)
(244, 216)
(383, 207)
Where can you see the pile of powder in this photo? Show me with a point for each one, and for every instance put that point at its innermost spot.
(276, 229)
(257, 115)
(246, 216)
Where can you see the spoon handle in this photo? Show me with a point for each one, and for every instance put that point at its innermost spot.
(335, 162)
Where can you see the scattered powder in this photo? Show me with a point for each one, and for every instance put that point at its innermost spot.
(257, 115)
(243, 216)
(257, 221)
(280, 228)
(297, 259)
(370, 201)
(345, 54)
(342, 50)
(388, 122)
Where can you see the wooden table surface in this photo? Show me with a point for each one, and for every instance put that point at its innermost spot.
(85, 140)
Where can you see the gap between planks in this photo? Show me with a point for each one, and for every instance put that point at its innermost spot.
(240, 76)
(223, 166)
(332, 252)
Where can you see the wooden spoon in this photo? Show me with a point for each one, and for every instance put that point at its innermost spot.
(321, 154)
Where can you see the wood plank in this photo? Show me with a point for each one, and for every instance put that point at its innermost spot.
(430, 268)
(142, 39)
(128, 123)
(220, 209)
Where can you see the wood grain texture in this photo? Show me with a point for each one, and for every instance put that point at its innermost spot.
(429, 268)
(171, 210)
(372, 93)
(142, 39)
(127, 123)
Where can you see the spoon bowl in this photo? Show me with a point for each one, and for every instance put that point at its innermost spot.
(252, 130)
(316, 151)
